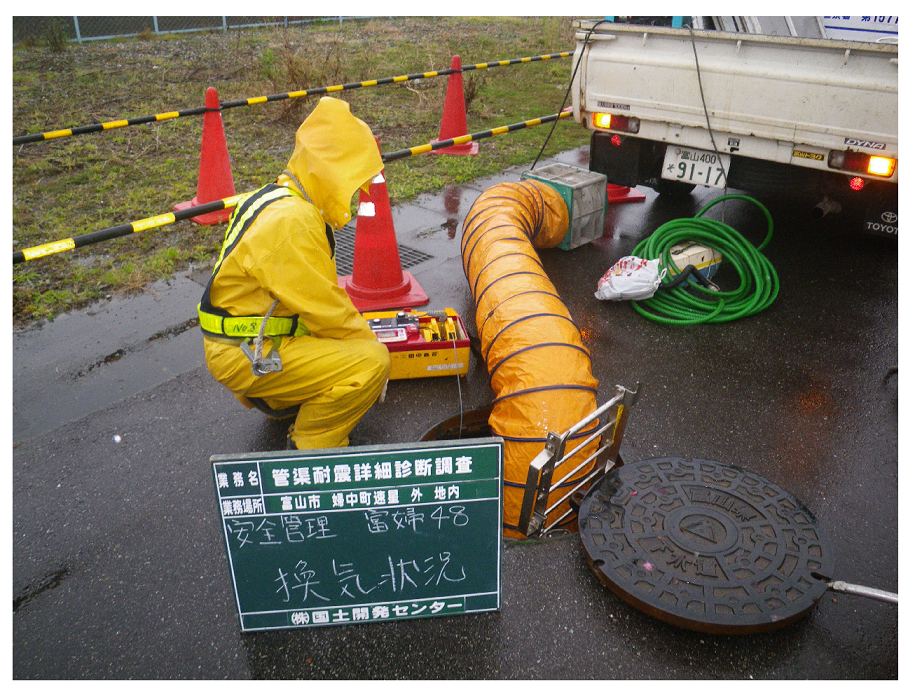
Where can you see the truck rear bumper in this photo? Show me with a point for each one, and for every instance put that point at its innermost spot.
(631, 161)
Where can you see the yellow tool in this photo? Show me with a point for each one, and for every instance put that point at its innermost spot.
(450, 329)
(434, 330)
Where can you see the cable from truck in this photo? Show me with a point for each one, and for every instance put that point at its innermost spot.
(568, 90)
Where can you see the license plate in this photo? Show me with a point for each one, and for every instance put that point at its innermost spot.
(695, 166)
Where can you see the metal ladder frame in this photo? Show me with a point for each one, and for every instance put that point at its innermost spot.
(539, 485)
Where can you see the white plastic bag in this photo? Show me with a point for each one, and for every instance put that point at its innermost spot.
(630, 278)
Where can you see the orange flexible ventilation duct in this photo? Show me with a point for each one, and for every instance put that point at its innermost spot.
(538, 367)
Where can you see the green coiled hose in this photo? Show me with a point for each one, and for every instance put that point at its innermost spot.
(689, 303)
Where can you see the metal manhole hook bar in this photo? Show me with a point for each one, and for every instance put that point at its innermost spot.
(539, 485)
(605, 455)
(866, 591)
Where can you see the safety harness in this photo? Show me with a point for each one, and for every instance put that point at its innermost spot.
(219, 325)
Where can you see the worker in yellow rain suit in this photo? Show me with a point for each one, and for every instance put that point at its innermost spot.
(278, 330)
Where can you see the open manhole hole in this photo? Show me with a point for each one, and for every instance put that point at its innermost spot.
(469, 425)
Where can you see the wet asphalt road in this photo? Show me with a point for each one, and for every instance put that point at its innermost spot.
(119, 567)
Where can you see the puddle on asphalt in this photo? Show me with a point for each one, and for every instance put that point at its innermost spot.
(170, 332)
(85, 360)
(46, 583)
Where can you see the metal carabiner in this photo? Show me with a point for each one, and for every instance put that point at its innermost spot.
(261, 365)
(272, 362)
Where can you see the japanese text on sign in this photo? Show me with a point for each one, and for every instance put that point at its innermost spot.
(365, 535)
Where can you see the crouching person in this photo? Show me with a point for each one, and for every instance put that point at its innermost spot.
(279, 332)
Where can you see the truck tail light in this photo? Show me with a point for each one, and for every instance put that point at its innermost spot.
(881, 166)
(609, 121)
(862, 163)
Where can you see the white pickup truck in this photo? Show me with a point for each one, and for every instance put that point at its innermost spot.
(675, 107)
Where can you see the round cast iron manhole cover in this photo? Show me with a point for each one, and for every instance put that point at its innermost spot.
(704, 546)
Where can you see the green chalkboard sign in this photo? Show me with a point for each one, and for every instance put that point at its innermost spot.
(362, 534)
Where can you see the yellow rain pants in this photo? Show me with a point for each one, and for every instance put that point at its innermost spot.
(335, 381)
(285, 254)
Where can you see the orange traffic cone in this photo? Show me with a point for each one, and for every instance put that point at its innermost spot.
(378, 281)
(454, 117)
(623, 194)
(214, 181)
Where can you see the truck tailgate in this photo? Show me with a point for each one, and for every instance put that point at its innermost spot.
(822, 93)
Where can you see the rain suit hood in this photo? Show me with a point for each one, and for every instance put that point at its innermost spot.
(335, 155)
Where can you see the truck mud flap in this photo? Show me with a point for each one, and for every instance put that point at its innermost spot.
(763, 177)
(882, 216)
(618, 162)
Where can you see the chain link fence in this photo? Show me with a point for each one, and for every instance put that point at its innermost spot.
(60, 29)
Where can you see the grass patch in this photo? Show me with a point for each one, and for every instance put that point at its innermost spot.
(71, 186)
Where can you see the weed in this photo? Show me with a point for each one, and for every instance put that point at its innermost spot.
(162, 262)
(56, 38)
(473, 85)
(268, 65)
(293, 64)
(50, 302)
(119, 276)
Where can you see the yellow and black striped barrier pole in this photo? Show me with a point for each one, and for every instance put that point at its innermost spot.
(514, 61)
(110, 125)
(463, 139)
(120, 230)
(36, 252)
